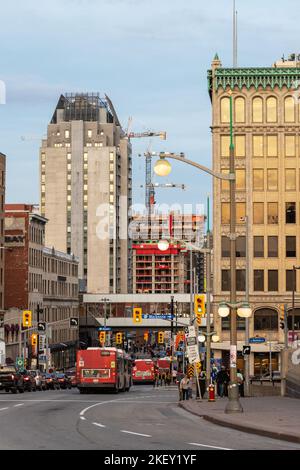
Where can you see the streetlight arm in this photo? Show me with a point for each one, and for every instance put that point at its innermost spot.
(221, 176)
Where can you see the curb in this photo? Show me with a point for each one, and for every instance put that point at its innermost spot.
(245, 428)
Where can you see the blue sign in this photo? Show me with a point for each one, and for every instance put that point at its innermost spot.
(104, 328)
(257, 340)
(179, 353)
(157, 317)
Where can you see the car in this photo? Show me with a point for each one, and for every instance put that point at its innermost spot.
(64, 381)
(72, 376)
(276, 377)
(39, 378)
(51, 381)
(11, 379)
(29, 381)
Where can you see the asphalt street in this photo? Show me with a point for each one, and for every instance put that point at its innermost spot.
(145, 418)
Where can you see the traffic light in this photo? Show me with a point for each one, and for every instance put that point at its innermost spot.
(282, 317)
(27, 318)
(201, 272)
(199, 307)
(119, 338)
(102, 337)
(146, 337)
(137, 315)
(34, 339)
(161, 337)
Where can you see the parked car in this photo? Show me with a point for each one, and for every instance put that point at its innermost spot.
(39, 378)
(29, 381)
(276, 377)
(11, 379)
(72, 376)
(64, 381)
(51, 381)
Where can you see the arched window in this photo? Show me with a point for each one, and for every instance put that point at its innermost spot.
(265, 319)
(257, 110)
(294, 317)
(239, 110)
(225, 110)
(289, 109)
(272, 109)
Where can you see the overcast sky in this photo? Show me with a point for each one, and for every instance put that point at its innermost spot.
(149, 56)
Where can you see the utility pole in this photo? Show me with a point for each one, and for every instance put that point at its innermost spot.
(247, 357)
(208, 301)
(172, 339)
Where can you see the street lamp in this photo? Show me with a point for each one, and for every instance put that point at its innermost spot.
(163, 245)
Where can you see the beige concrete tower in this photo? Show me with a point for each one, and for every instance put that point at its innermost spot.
(85, 168)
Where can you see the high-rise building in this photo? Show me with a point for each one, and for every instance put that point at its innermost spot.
(266, 118)
(85, 169)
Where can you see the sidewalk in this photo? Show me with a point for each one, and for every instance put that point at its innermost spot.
(275, 417)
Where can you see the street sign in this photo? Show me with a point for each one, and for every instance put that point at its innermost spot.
(246, 350)
(257, 339)
(151, 316)
(42, 342)
(20, 362)
(41, 326)
(193, 353)
(104, 328)
(74, 322)
(191, 340)
(192, 331)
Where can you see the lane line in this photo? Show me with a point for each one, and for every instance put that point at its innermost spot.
(2, 409)
(206, 445)
(135, 433)
(83, 418)
(19, 404)
(99, 425)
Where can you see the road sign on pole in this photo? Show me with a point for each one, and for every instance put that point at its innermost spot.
(74, 322)
(246, 350)
(41, 327)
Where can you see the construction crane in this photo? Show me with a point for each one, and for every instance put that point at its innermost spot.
(150, 191)
(141, 135)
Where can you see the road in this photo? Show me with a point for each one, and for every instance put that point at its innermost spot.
(145, 418)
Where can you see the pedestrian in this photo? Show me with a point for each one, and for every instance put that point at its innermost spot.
(174, 376)
(202, 382)
(156, 378)
(240, 381)
(168, 378)
(184, 387)
(222, 380)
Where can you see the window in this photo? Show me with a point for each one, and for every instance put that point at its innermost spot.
(290, 179)
(272, 150)
(271, 109)
(240, 180)
(290, 247)
(225, 185)
(240, 279)
(257, 110)
(240, 247)
(273, 247)
(225, 243)
(90, 133)
(259, 280)
(225, 110)
(240, 146)
(290, 145)
(265, 319)
(294, 319)
(258, 179)
(289, 109)
(225, 143)
(67, 134)
(290, 280)
(258, 146)
(258, 244)
(290, 212)
(272, 179)
(258, 213)
(272, 213)
(239, 110)
(273, 280)
(225, 280)
(225, 213)
(240, 212)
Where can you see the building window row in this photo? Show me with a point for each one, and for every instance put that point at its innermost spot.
(261, 146)
(263, 280)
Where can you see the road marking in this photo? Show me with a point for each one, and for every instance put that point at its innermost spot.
(136, 433)
(96, 404)
(206, 445)
(83, 418)
(99, 425)
(19, 404)
(2, 409)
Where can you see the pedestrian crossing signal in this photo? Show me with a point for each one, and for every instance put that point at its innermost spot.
(119, 338)
(27, 318)
(137, 315)
(102, 337)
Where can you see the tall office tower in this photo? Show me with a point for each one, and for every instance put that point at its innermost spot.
(266, 119)
(85, 168)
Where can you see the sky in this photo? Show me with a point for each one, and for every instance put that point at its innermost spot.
(149, 56)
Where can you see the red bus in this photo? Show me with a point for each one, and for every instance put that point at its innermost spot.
(164, 364)
(143, 371)
(103, 368)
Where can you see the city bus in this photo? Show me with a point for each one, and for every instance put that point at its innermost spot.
(143, 371)
(103, 368)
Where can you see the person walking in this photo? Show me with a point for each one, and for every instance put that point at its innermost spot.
(202, 383)
(174, 376)
(240, 381)
(222, 380)
(184, 387)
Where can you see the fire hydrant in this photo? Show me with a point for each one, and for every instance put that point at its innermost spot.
(211, 392)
